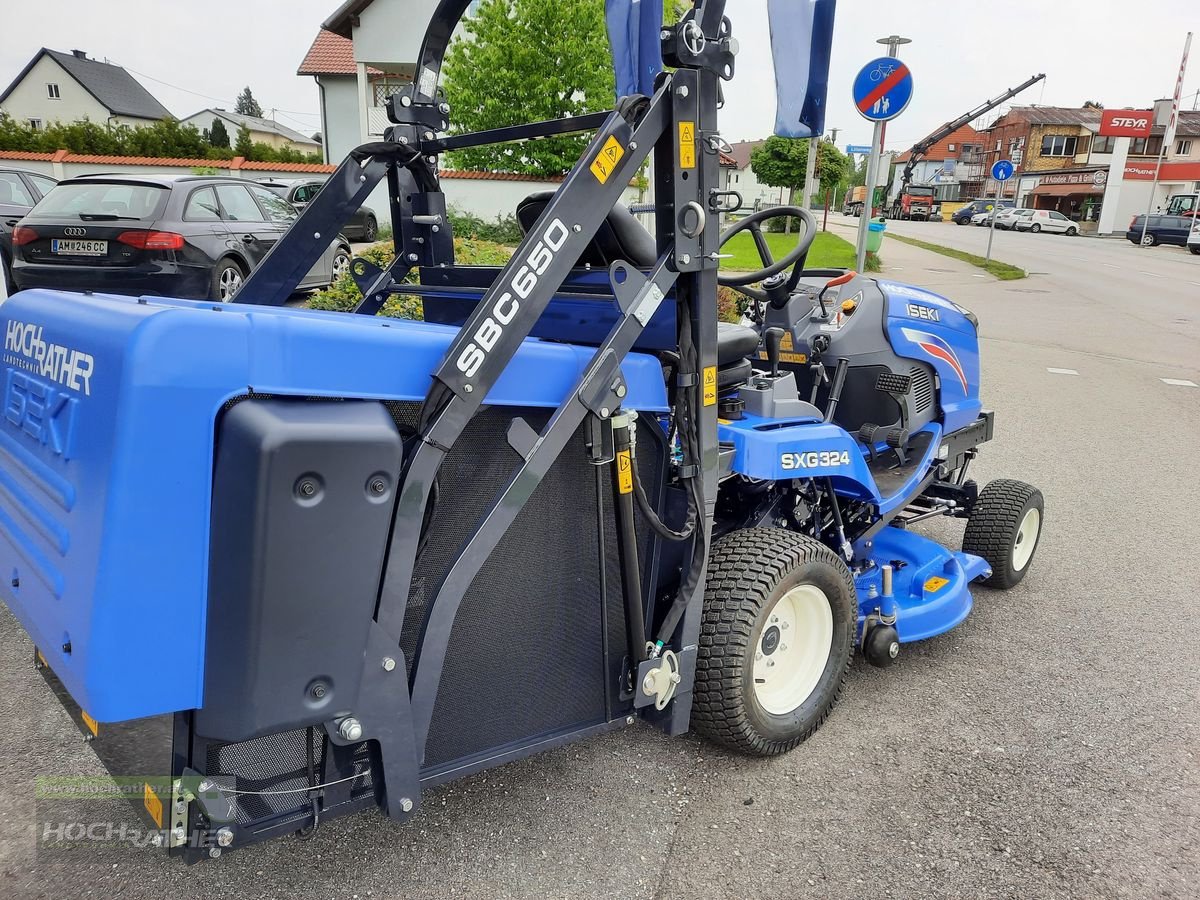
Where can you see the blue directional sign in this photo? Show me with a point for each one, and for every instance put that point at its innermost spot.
(858, 148)
(1002, 170)
(882, 89)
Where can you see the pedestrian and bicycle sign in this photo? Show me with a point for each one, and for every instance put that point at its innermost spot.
(882, 89)
(1002, 170)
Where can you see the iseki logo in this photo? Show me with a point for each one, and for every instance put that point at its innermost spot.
(923, 312)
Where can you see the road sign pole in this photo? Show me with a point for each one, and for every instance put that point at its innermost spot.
(995, 212)
(863, 97)
(864, 219)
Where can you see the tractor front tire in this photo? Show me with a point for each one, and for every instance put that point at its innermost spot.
(1004, 528)
(776, 640)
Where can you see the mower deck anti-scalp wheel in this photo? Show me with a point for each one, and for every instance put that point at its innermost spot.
(780, 618)
(1004, 528)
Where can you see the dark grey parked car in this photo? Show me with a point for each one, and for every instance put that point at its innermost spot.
(363, 225)
(19, 191)
(195, 237)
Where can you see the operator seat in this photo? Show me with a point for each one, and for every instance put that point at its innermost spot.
(621, 236)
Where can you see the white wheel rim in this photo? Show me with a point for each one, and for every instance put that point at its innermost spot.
(341, 265)
(793, 649)
(1026, 541)
(231, 280)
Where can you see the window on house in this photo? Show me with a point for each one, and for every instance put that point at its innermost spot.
(1183, 148)
(35, 124)
(1103, 144)
(1059, 145)
(52, 92)
(1146, 146)
(385, 87)
(950, 147)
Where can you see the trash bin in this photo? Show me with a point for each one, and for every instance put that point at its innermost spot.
(875, 232)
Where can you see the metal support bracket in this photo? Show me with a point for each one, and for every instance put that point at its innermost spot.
(657, 681)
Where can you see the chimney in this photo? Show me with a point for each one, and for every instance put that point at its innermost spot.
(79, 54)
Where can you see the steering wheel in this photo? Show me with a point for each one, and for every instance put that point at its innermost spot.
(771, 267)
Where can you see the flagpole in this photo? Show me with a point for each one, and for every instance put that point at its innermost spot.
(1168, 137)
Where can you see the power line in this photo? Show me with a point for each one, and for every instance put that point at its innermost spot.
(224, 100)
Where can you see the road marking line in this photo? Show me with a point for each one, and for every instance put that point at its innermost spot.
(1061, 371)
(1111, 266)
(973, 275)
(1196, 283)
(1179, 382)
(1152, 274)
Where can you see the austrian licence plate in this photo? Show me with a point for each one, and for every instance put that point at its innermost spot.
(79, 248)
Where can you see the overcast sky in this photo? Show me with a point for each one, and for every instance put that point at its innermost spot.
(1117, 52)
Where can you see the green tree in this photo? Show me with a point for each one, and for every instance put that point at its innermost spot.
(524, 61)
(780, 162)
(218, 136)
(246, 104)
(243, 146)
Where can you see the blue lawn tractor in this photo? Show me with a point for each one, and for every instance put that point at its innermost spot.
(283, 565)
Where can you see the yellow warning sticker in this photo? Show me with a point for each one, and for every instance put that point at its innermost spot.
(710, 385)
(92, 725)
(153, 805)
(786, 343)
(935, 584)
(610, 154)
(786, 357)
(687, 145)
(624, 472)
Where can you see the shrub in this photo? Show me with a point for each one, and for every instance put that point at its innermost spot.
(344, 295)
(504, 230)
(730, 305)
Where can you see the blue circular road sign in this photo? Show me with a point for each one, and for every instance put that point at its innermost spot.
(1002, 170)
(882, 89)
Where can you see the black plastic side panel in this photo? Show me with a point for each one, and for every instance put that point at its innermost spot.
(302, 502)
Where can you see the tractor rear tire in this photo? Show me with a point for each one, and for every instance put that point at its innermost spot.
(1004, 528)
(768, 588)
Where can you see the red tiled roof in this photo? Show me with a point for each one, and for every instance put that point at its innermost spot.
(727, 160)
(331, 54)
(237, 163)
(20, 154)
(941, 151)
(497, 176)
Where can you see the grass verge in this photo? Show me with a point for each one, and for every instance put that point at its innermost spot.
(1001, 270)
(827, 252)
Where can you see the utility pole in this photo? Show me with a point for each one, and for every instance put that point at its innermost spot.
(1168, 136)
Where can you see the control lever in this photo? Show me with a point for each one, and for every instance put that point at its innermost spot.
(820, 343)
(837, 282)
(773, 337)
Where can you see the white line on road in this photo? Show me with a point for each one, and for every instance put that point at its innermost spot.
(973, 275)
(1062, 371)
(1111, 266)
(1178, 382)
(1152, 274)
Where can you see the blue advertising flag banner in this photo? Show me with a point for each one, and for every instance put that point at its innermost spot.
(801, 38)
(633, 33)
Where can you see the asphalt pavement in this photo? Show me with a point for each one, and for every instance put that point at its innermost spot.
(1045, 748)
